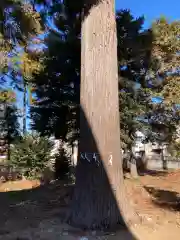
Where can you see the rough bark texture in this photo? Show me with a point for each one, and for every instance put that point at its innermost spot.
(99, 199)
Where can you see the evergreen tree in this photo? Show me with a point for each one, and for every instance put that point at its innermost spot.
(162, 77)
(19, 23)
(57, 87)
(10, 122)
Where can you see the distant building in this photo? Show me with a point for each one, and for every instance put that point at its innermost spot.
(156, 153)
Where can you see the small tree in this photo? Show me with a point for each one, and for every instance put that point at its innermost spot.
(62, 165)
(31, 155)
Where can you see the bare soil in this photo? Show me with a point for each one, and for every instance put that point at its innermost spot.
(31, 211)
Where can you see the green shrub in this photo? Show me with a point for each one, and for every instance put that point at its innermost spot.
(174, 149)
(62, 165)
(31, 154)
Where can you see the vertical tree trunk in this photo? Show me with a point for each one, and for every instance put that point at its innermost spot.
(164, 161)
(99, 199)
(133, 168)
(24, 108)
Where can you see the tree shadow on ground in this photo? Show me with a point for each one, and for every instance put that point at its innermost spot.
(27, 208)
(153, 173)
(164, 198)
(22, 209)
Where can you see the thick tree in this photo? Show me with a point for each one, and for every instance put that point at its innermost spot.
(99, 199)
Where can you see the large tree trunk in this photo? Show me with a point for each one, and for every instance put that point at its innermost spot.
(24, 107)
(99, 199)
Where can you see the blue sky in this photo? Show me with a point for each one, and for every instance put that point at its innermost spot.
(151, 11)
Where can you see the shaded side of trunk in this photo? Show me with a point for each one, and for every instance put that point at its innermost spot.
(99, 199)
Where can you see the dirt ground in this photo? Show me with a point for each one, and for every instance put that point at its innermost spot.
(156, 198)
(36, 212)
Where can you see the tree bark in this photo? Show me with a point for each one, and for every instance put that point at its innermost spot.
(24, 107)
(133, 168)
(99, 199)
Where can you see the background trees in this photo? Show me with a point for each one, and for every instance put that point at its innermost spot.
(139, 67)
(148, 67)
(10, 121)
(145, 57)
(9, 125)
(57, 87)
(19, 23)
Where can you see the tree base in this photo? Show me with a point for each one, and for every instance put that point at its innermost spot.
(97, 209)
(96, 222)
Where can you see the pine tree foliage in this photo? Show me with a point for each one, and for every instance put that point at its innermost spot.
(31, 154)
(20, 22)
(133, 57)
(7, 95)
(57, 86)
(164, 72)
(10, 122)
